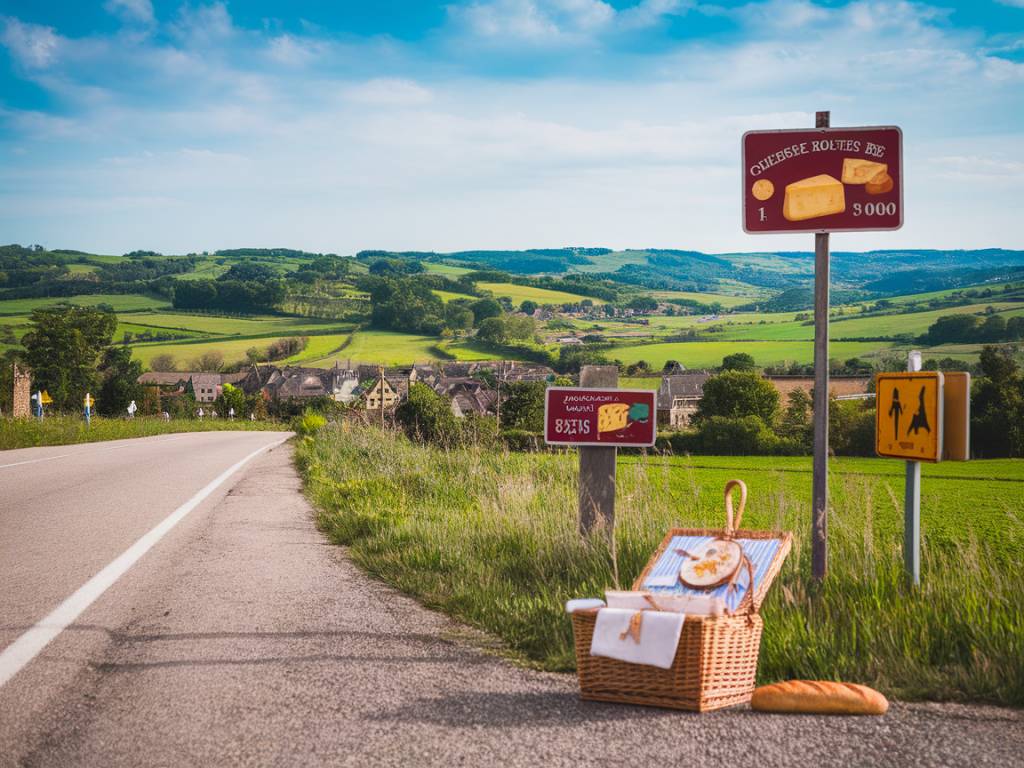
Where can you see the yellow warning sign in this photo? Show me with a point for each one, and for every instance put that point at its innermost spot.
(908, 415)
(46, 399)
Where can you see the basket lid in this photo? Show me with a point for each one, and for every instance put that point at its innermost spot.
(766, 551)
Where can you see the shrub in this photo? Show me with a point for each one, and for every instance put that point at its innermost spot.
(522, 439)
(308, 424)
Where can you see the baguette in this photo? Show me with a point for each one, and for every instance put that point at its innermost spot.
(819, 697)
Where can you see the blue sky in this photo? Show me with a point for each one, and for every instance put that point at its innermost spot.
(338, 126)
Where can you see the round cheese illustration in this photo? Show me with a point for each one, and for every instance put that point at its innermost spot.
(712, 565)
(763, 189)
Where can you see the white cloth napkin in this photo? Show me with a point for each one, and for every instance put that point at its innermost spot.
(694, 605)
(659, 637)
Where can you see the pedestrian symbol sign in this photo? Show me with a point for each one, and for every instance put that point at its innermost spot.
(908, 415)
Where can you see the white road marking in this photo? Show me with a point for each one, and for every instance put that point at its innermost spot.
(166, 438)
(28, 646)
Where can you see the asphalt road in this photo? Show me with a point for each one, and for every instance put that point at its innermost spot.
(243, 638)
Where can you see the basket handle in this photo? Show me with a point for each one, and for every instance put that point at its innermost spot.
(748, 598)
(731, 525)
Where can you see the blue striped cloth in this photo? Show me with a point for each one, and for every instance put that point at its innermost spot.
(761, 553)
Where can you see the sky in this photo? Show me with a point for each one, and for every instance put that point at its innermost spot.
(498, 124)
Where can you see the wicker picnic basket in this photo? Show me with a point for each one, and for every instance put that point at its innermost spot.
(716, 660)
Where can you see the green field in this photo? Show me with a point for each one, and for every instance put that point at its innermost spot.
(445, 269)
(320, 351)
(467, 350)
(520, 293)
(447, 296)
(388, 348)
(491, 538)
(233, 326)
(708, 354)
(127, 302)
(725, 299)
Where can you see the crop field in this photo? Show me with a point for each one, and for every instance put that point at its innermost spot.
(120, 302)
(520, 293)
(387, 347)
(491, 538)
(445, 269)
(447, 296)
(320, 351)
(725, 299)
(467, 350)
(707, 354)
(232, 326)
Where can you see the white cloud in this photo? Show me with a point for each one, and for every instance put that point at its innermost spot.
(32, 45)
(293, 51)
(133, 11)
(388, 92)
(533, 21)
(204, 25)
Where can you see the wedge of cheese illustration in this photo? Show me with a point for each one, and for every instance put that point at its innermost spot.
(858, 171)
(816, 196)
(612, 417)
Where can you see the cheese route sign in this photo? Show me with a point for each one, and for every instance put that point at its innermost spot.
(909, 415)
(823, 180)
(601, 417)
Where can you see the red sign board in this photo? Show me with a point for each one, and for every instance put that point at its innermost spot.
(609, 417)
(823, 180)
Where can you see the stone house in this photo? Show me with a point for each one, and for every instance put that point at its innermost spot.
(678, 398)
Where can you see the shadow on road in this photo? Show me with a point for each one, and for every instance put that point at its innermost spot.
(504, 710)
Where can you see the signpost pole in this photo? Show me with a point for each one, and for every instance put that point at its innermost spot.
(912, 503)
(597, 465)
(819, 515)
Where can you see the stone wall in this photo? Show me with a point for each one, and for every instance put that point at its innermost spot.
(22, 404)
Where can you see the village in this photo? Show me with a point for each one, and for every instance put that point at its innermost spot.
(470, 387)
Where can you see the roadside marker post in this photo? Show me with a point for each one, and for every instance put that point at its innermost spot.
(822, 180)
(597, 418)
(88, 409)
(920, 416)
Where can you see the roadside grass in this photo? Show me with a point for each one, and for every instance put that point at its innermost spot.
(68, 430)
(490, 537)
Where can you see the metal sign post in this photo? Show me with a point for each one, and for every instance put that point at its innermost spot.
(819, 502)
(912, 503)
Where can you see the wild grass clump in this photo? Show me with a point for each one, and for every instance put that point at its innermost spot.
(65, 430)
(490, 537)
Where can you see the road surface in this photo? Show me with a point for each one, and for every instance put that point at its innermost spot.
(242, 638)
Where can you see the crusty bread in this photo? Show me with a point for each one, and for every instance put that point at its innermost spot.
(819, 697)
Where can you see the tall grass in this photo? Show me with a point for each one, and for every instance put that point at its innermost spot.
(490, 537)
(65, 430)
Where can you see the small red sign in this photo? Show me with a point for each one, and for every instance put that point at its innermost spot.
(609, 417)
(823, 180)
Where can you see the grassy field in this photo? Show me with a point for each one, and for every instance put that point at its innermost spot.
(232, 326)
(66, 430)
(490, 537)
(726, 300)
(520, 293)
(447, 296)
(389, 348)
(445, 269)
(128, 302)
(707, 354)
